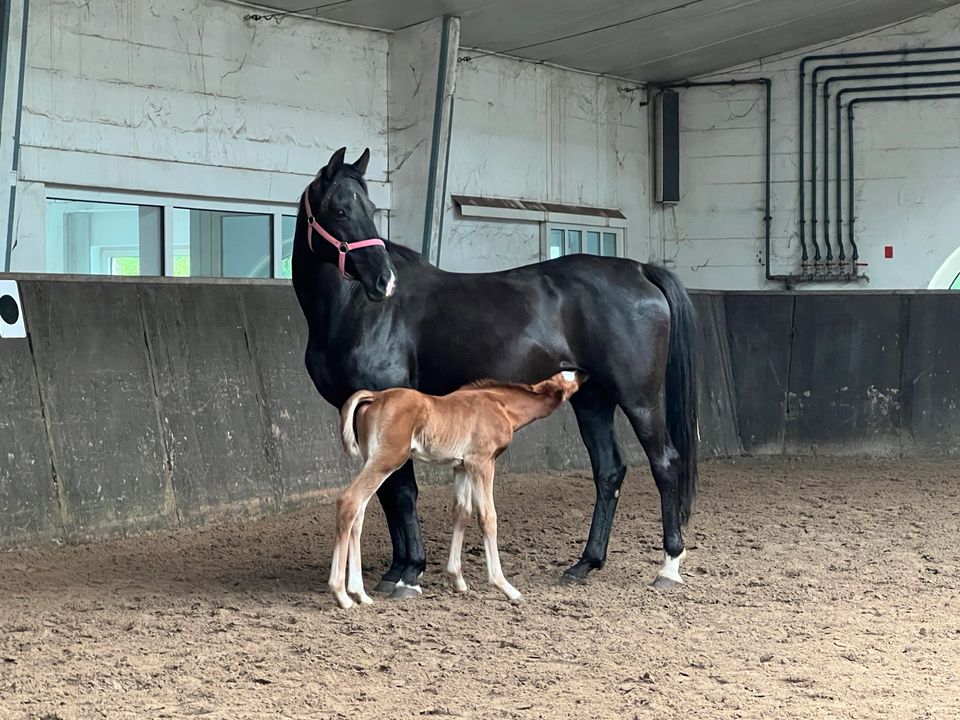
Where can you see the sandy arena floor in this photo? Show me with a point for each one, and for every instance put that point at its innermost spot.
(821, 589)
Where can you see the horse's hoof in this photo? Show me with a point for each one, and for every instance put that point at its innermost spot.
(518, 600)
(405, 592)
(664, 583)
(385, 587)
(570, 579)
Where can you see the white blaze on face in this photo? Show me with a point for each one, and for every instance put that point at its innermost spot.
(569, 375)
(391, 284)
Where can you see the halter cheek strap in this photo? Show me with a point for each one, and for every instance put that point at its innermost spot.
(342, 247)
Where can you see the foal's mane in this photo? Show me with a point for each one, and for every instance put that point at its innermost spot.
(488, 383)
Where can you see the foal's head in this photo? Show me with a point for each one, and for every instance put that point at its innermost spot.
(561, 386)
(340, 205)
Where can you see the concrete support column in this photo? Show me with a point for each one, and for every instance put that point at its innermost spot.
(13, 52)
(422, 67)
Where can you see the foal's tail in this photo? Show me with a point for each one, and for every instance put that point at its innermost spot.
(681, 385)
(347, 412)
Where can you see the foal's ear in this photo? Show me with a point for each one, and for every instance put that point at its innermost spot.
(361, 164)
(333, 167)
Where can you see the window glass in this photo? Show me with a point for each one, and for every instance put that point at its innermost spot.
(214, 243)
(95, 238)
(609, 244)
(569, 240)
(288, 226)
(555, 249)
(955, 285)
(593, 243)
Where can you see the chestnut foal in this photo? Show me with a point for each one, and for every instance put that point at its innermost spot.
(469, 429)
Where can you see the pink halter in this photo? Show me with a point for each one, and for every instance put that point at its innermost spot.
(342, 247)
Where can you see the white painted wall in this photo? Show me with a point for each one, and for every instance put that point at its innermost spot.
(186, 98)
(535, 132)
(908, 172)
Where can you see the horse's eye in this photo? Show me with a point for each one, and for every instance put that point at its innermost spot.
(340, 213)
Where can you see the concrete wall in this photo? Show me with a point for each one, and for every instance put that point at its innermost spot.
(197, 102)
(536, 132)
(192, 100)
(423, 66)
(189, 99)
(907, 167)
(157, 404)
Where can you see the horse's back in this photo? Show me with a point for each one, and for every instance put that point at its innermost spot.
(575, 310)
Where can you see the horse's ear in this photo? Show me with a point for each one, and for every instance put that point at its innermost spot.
(333, 167)
(361, 164)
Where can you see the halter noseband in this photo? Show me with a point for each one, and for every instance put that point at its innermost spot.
(342, 247)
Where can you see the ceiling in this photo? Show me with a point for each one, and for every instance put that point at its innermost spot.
(646, 40)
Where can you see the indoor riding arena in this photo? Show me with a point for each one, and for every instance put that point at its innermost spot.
(708, 247)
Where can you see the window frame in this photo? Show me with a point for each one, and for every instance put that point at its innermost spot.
(620, 234)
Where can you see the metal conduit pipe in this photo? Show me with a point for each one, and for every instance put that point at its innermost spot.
(826, 136)
(801, 91)
(768, 150)
(839, 124)
(813, 118)
(839, 139)
(850, 112)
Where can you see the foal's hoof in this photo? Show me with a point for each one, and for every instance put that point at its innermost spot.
(385, 587)
(664, 583)
(518, 600)
(406, 592)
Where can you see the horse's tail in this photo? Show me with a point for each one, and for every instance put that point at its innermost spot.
(681, 382)
(347, 432)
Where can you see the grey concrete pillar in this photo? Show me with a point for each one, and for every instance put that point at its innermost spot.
(13, 35)
(422, 67)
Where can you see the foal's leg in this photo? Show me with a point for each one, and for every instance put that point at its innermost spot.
(595, 412)
(481, 477)
(650, 425)
(355, 576)
(349, 505)
(462, 510)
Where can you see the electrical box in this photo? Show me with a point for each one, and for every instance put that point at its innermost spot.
(667, 121)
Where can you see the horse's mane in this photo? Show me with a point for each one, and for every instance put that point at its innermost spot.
(404, 252)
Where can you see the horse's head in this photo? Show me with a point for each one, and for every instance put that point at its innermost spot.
(340, 227)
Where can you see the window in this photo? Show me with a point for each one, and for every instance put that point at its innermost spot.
(955, 285)
(113, 233)
(591, 240)
(215, 243)
(100, 238)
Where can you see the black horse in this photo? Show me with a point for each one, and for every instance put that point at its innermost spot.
(387, 318)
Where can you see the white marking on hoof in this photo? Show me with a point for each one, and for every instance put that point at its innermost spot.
(671, 567)
(402, 584)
